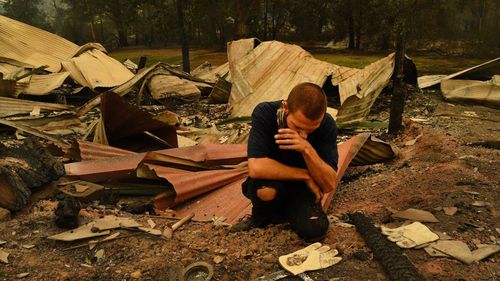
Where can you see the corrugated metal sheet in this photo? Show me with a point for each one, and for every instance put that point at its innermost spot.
(85, 151)
(94, 69)
(272, 69)
(225, 199)
(359, 92)
(11, 106)
(212, 74)
(482, 72)
(173, 87)
(26, 44)
(44, 84)
(484, 92)
(125, 126)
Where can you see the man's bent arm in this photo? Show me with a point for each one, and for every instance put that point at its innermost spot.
(322, 173)
(269, 169)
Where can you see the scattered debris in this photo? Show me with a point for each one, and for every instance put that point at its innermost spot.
(22, 275)
(218, 259)
(28, 246)
(136, 274)
(99, 255)
(152, 231)
(480, 204)
(4, 256)
(4, 214)
(415, 215)
(450, 211)
(413, 141)
(151, 223)
(460, 251)
(82, 190)
(23, 168)
(67, 213)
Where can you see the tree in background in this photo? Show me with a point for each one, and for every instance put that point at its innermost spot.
(27, 11)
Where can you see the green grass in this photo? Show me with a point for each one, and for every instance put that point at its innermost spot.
(426, 65)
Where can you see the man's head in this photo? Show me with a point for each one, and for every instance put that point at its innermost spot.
(305, 108)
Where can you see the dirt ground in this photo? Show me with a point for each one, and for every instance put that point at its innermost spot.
(453, 163)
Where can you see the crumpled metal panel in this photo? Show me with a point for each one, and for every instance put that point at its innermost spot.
(11, 106)
(84, 150)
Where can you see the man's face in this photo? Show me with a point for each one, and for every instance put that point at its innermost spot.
(299, 122)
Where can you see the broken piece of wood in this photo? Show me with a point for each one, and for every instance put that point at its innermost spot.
(107, 239)
(169, 231)
(23, 168)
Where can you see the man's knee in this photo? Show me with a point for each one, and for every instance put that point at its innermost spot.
(266, 193)
(313, 229)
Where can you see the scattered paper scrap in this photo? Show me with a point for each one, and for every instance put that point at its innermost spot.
(81, 188)
(151, 223)
(2, 242)
(28, 246)
(82, 232)
(480, 204)
(22, 275)
(86, 265)
(4, 256)
(416, 215)
(413, 141)
(112, 236)
(218, 259)
(112, 222)
(153, 231)
(99, 254)
(450, 211)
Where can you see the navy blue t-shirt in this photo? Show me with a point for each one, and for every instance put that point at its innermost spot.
(261, 142)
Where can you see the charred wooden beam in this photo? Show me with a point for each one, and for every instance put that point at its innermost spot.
(24, 168)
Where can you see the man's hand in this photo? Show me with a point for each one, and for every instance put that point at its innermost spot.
(315, 189)
(289, 139)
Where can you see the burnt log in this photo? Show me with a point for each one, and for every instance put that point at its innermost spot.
(24, 168)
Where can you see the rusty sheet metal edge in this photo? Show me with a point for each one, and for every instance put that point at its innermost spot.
(12, 106)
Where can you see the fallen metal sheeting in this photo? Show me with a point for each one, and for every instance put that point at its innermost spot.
(482, 72)
(11, 107)
(26, 46)
(272, 69)
(217, 192)
(484, 92)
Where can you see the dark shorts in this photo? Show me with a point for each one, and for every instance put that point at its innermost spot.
(294, 203)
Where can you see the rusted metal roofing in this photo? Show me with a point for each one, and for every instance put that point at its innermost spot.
(11, 106)
(83, 151)
(129, 127)
(272, 69)
(215, 193)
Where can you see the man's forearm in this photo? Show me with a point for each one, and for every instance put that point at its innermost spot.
(267, 168)
(322, 173)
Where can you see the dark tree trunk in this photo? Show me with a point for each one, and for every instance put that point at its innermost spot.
(398, 94)
(351, 31)
(122, 37)
(265, 19)
(273, 22)
(183, 36)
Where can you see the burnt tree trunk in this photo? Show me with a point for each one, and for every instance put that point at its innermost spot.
(24, 168)
(183, 35)
(398, 89)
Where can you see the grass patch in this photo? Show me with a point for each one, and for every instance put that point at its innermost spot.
(426, 64)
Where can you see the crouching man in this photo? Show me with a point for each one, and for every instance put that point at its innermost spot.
(292, 162)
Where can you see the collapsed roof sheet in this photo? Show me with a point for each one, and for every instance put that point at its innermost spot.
(272, 69)
(43, 84)
(23, 44)
(10, 106)
(482, 72)
(27, 46)
(483, 92)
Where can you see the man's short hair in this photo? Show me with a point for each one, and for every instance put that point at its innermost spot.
(308, 98)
